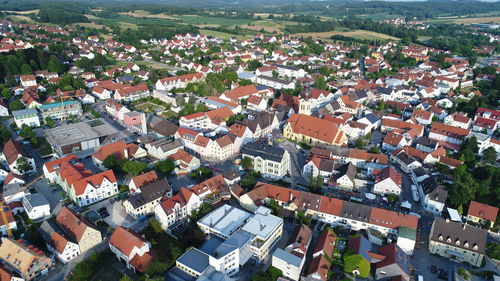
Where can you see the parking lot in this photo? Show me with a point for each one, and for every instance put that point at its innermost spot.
(50, 192)
(117, 214)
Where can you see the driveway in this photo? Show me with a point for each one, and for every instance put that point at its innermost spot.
(117, 214)
(50, 192)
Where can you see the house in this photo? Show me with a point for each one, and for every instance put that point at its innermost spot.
(78, 229)
(24, 259)
(206, 121)
(135, 122)
(482, 214)
(406, 162)
(37, 206)
(393, 141)
(17, 159)
(177, 208)
(458, 120)
(131, 248)
(116, 109)
(422, 117)
(396, 263)
(185, 162)
(214, 187)
(132, 93)
(27, 117)
(83, 186)
(58, 242)
(458, 241)
(178, 82)
(275, 83)
(120, 150)
(291, 259)
(163, 148)
(320, 265)
(138, 181)
(27, 80)
(344, 178)
(311, 130)
(387, 181)
(146, 198)
(448, 134)
(433, 196)
(270, 161)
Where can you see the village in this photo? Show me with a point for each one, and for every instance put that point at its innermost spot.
(271, 158)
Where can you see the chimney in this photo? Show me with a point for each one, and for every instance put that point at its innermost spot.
(447, 220)
(463, 226)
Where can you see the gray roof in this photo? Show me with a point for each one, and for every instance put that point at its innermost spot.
(166, 144)
(24, 112)
(149, 192)
(427, 142)
(194, 259)
(405, 158)
(276, 80)
(450, 232)
(288, 257)
(79, 132)
(264, 151)
(37, 199)
(356, 211)
(11, 189)
(348, 170)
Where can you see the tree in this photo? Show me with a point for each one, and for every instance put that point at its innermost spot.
(27, 133)
(165, 167)
(16, 105)
(464, 188)
(374, 150)
(489, 155)
(134, 168)
(26, 69)
(23, 165)
(55, 65)
(112, 163)
(5, 134)
(460, 209)
(157, 268)
(247, 163)
(320, 83)
(49, 121)
(6, 94)
(359, 143)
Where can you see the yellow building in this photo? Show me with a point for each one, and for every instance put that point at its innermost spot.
(311, 130)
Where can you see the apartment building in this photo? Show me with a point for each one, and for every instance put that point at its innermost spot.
(61, 110)
(270, 161)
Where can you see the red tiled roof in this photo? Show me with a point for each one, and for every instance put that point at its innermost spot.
(316, 128)
(482, 211)
(73, 223)
(143, 179)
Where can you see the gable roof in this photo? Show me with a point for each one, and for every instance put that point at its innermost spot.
(482, 211)
(72, 223)
(316, 128)
(12, 149)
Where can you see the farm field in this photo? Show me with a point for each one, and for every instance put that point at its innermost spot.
(223, 35)
(468, 21)
(358, 34)
(202, 20)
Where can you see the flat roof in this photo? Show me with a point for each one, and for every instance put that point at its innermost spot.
(194, 259)
(225, 219)
(288, 257)
(78, 132)
(263, 223)
(24, 112)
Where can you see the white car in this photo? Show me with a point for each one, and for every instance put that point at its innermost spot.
(414, 193)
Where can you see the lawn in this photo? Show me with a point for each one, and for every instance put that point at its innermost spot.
(127, 21)
(149, 107)
(357, 262)
(169, 114)
(201, 20)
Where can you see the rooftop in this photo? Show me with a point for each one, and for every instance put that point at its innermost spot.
(78, 132)
(225, 219)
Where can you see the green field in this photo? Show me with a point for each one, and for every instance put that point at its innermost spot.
(149, 107)
(201, 20)
(223, 35)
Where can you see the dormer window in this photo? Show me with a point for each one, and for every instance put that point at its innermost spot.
(440, 237)
(466, 244)
(448, 239)
(457, 242)
(475, 247)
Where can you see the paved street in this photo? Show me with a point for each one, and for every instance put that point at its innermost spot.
(297, 162)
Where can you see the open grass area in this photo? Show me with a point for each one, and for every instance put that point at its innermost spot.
(20, 18)
(149, 107)
(358, 34)
(468, 21)
(126, 21)
(142, 13)
(201, 20)
(169, 114)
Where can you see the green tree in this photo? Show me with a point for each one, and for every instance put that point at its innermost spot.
(23, 165)
(112, 163)
(464, 188)
(359, 143)
(5, 134)
(55, 65)
(165, 166)
(247, 163)
(157, 268)
(320, 83)
(489, 155)
(16, 105)
(26, 69)
(27, 133)
(50, 122)
(6, 94)
(134, 168)
(374, 149)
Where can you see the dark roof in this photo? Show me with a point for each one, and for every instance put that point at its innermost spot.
(230, 174)
(355, 211)
(149, 192)
(459, 235)
(405, 158)
(164, 127)
(263, 120)
(427, 142)
(439, 194)
(347, 169)
(264, 151)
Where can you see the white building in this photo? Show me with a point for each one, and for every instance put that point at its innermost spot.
(131, 248)
(223, 221)
(270, 161)
(27, 117)
(37, 206)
